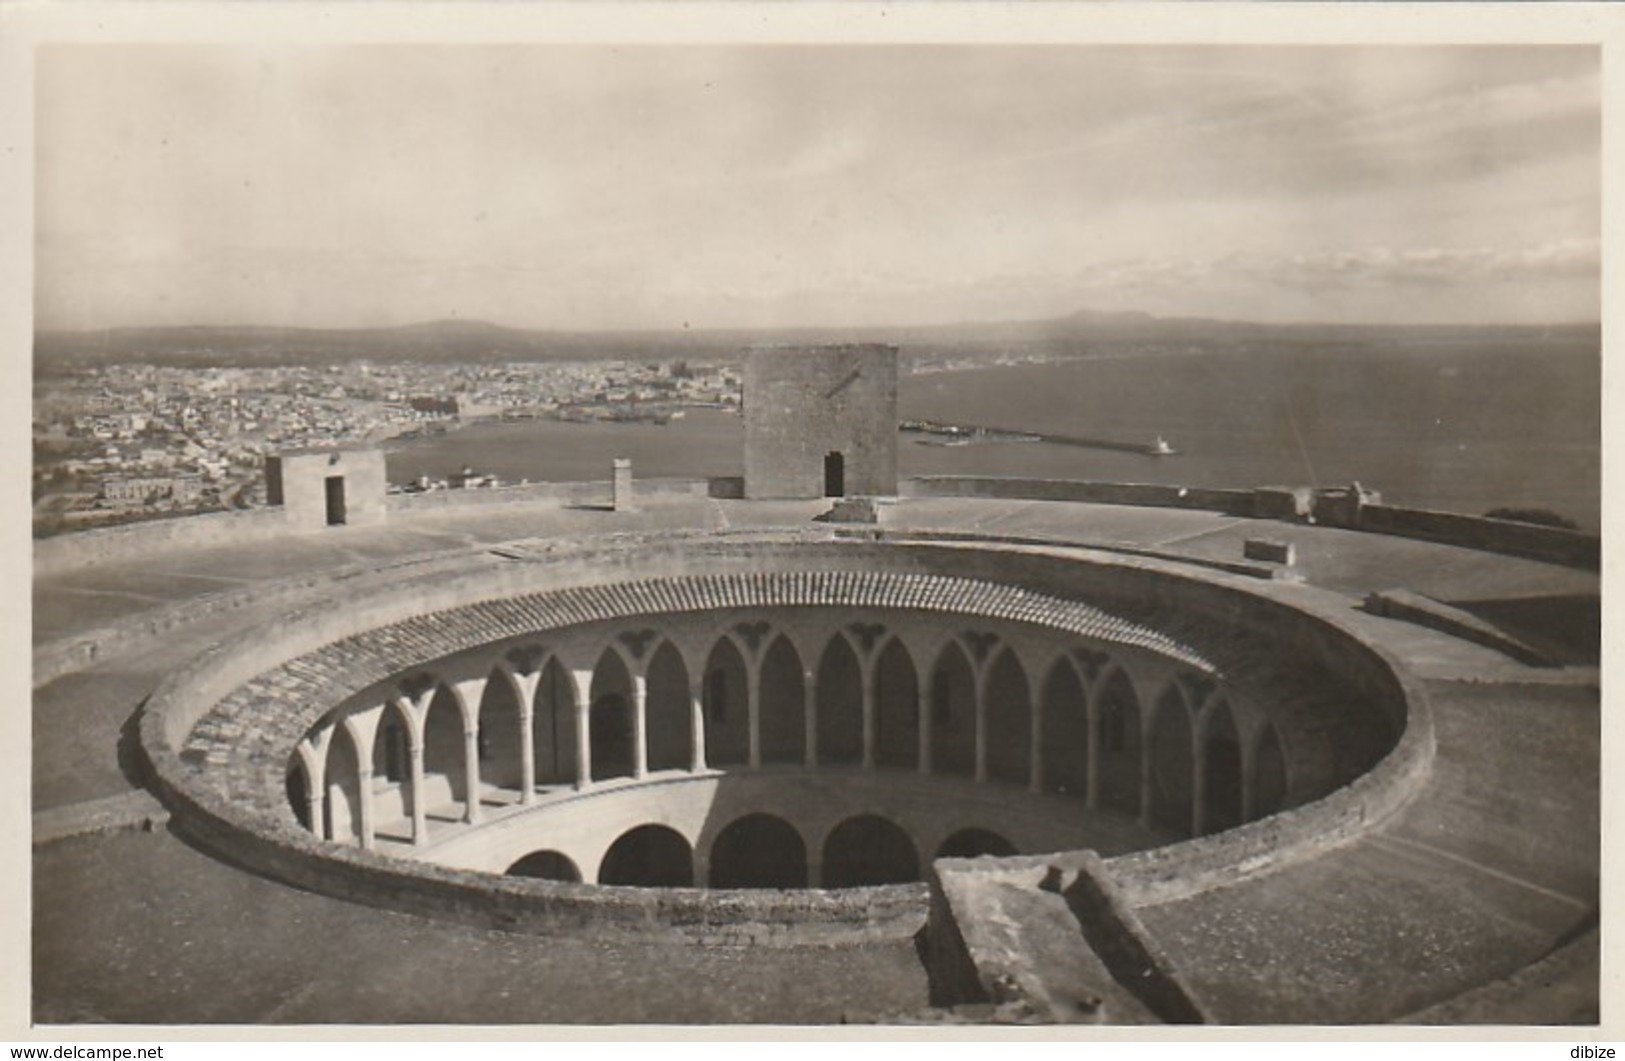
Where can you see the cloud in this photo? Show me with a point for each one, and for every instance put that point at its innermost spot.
(1370, 267)
(1427, 266)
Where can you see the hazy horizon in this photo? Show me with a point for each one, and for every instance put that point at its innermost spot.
(583, 188)
(226, 325)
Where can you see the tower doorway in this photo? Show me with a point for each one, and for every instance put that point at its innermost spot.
(335, 500)
(834, 475)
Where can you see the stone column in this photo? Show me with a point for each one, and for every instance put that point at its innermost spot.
(1198, 783)
(524, 688)
(925, 721)
(640, 726)
(315, 807)
(471, 773)
(1147, 765)
(753, 714)
(809, 691)
(583, 704)
(1249, 779)
(696, 724)
(1092, 727)
(369, 828)
(469, 693)
(361, 727)
(1035, 742)
(420, 813)
(867, 679)
(979, 684)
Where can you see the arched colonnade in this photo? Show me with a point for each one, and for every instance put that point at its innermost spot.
(1122, 728)
(759, 850)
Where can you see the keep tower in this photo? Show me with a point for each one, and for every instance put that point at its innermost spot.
(821, 421)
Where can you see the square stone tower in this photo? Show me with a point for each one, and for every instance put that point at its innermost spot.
(821, 421)
(327, 487)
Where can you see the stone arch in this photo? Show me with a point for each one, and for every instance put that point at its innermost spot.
(1269, 773)
(1009, 719)
(1116, 735)
(1221, 771)
(725, 695)
(783, 703)
(392, 746)
(445, 769)
(974, 843)
(759, 851)
(868, 850)
(1066, 730)
(546, 865)
(953, 712)
(649, 856)
(609, 723)
(840, 703)
(1172, 761)
(897, 707)
(343, 779)
(501, 764)
(667, 725)
(553, 727)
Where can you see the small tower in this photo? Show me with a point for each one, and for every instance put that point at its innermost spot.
(821, 421)
(327, 487)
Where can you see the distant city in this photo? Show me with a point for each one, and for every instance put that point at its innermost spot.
(131, 442)
(128, 441)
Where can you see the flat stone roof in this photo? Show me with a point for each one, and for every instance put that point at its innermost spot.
(1481, 882)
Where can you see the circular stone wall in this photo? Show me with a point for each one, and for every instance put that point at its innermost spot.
(438, 728)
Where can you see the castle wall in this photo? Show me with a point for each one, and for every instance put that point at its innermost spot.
(803, 404)
(249, 818)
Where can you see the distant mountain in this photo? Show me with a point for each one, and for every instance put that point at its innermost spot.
(459, 340)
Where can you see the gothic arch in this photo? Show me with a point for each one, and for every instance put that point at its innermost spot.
(667, 725)
(840, 703)
(1066, 730)
(783, 703)
(897, 707)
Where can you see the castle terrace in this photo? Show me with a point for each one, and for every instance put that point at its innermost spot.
(1446, 866)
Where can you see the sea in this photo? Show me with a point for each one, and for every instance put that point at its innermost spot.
(1450, 425)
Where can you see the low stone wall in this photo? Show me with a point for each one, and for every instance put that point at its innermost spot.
(1532, 541)
(580, 493)
(82, 549)
(1133, 955)
(71, 552)
(70, 654)
(538, 907)
(1425, 611)
(1233, 502)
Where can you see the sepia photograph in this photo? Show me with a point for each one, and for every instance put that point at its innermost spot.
(799, 530)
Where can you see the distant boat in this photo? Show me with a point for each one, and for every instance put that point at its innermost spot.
(1161, 448)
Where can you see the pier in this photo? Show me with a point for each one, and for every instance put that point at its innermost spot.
(967, 433)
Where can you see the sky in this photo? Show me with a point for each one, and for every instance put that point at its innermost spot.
(598, 187)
